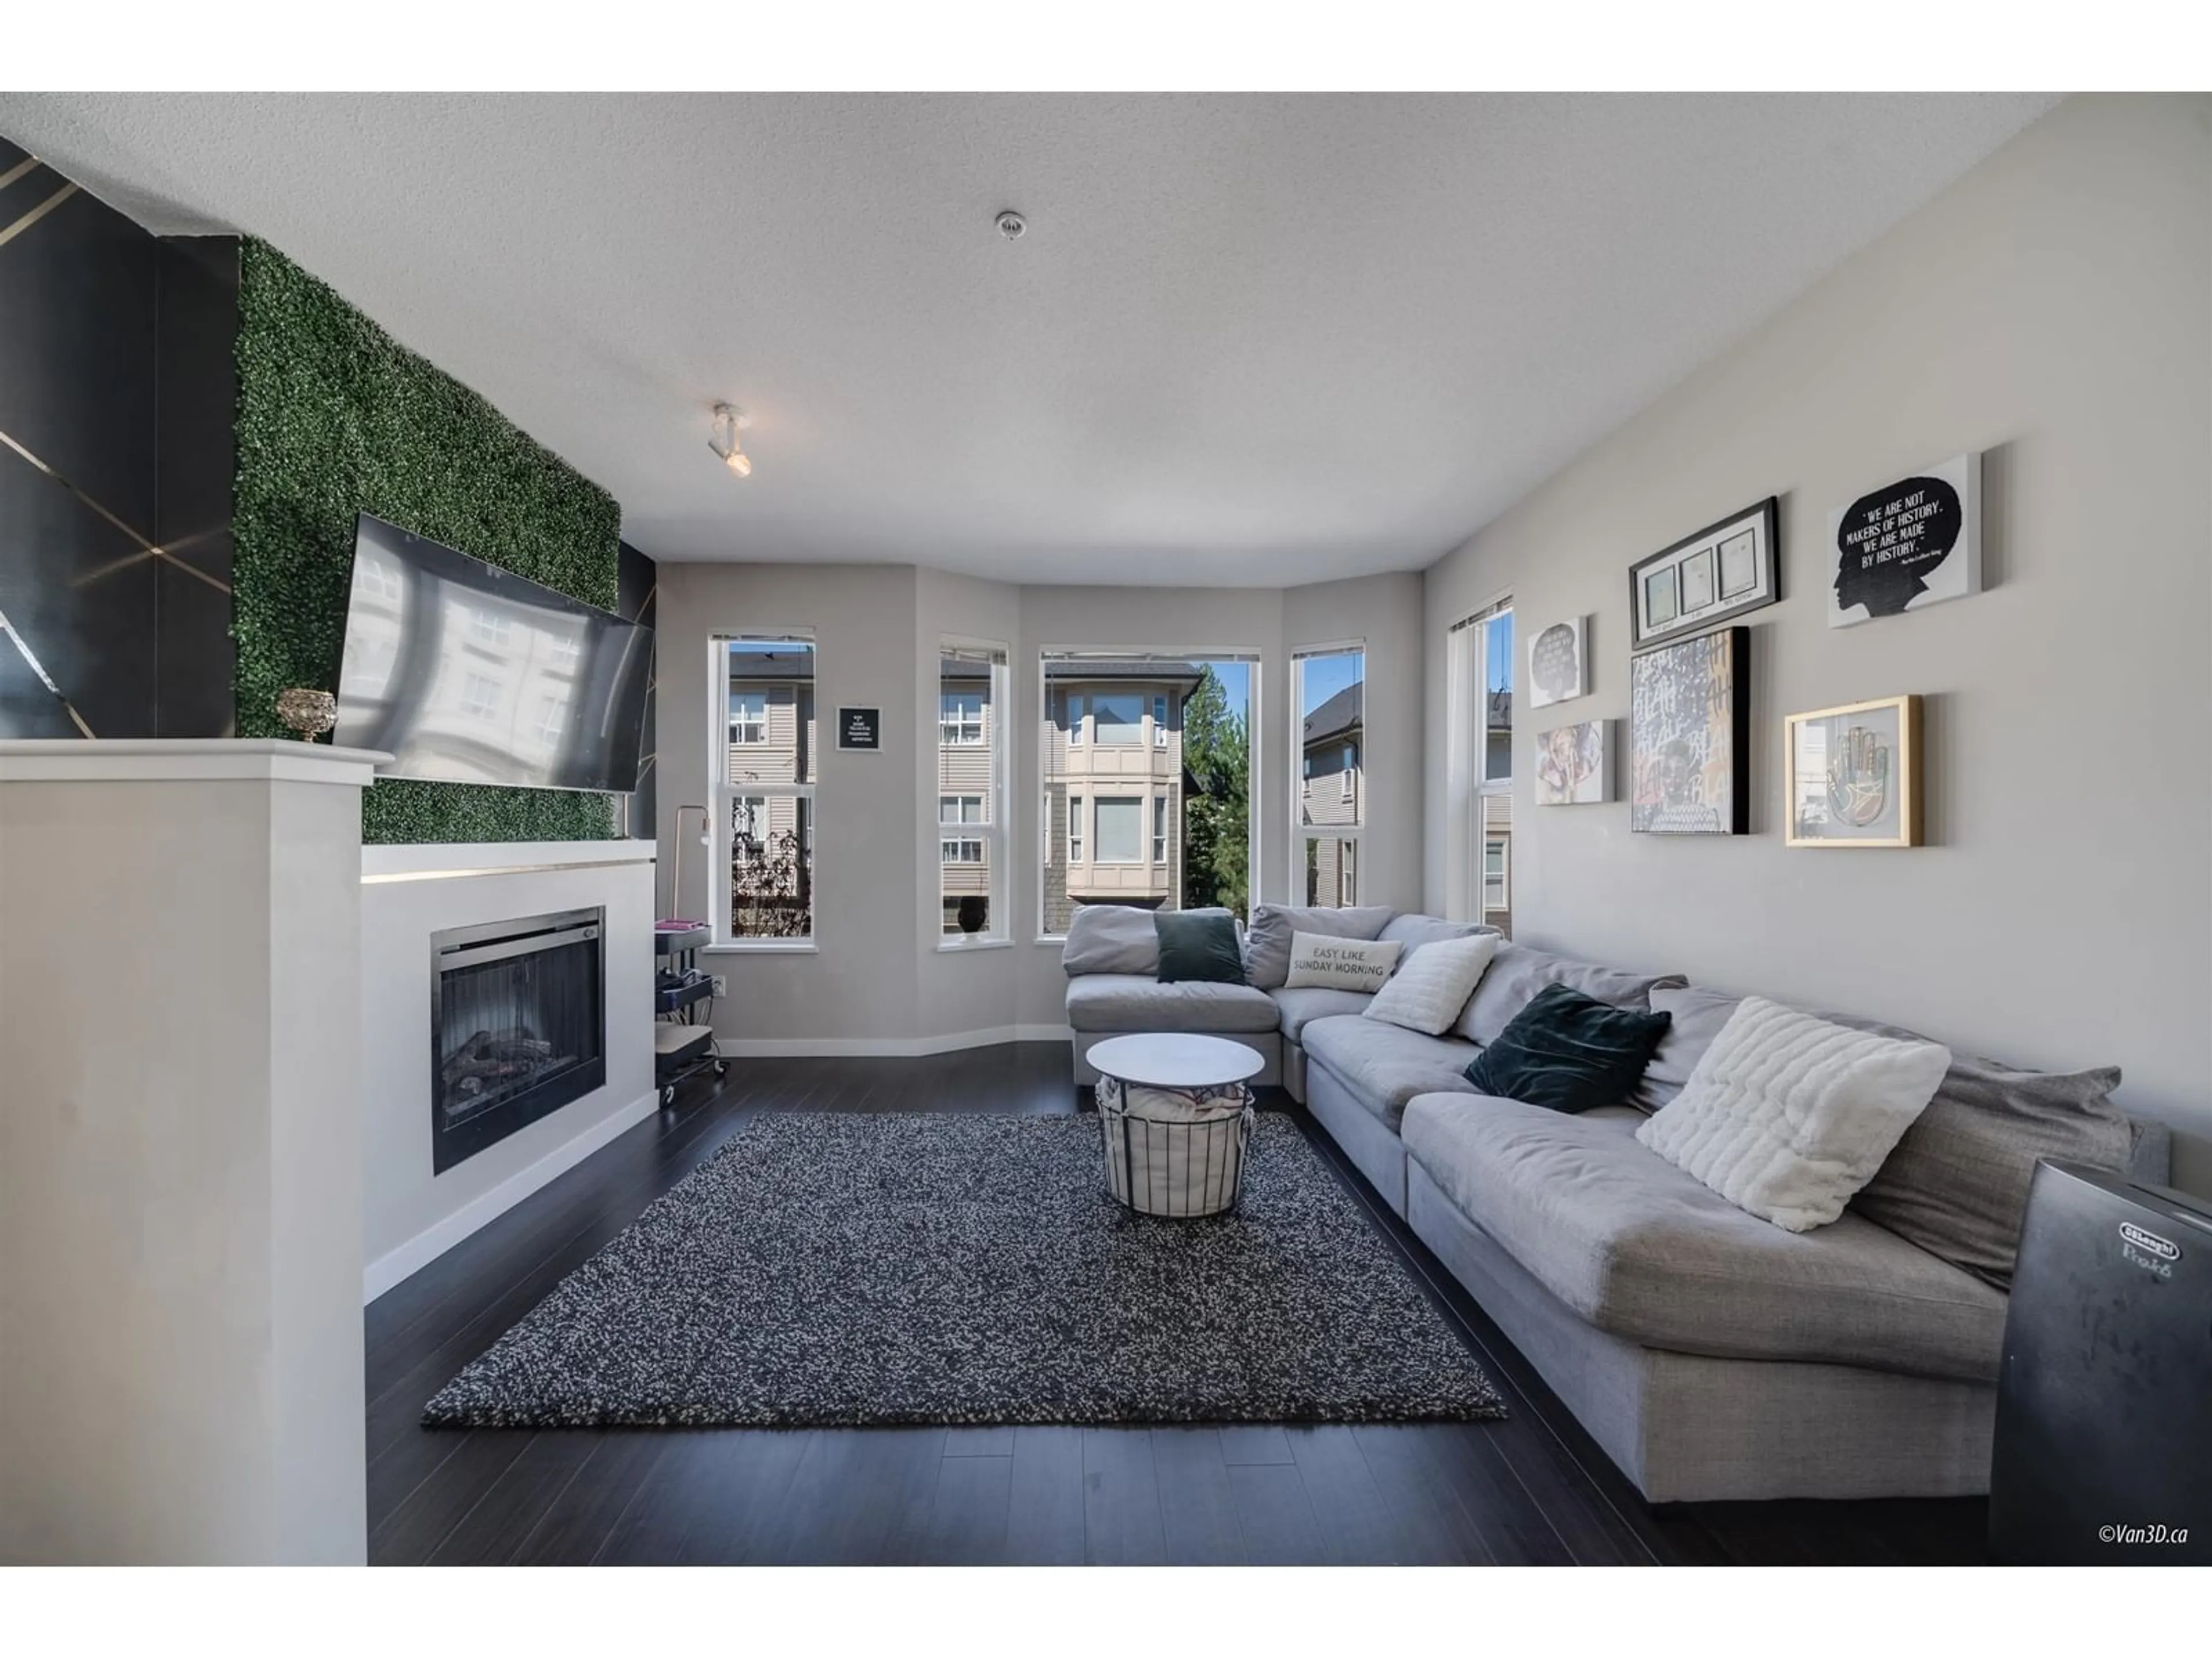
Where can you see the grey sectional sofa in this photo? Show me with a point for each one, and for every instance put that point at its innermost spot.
(1710, 1355)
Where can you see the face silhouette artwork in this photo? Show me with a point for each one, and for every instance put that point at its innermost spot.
(1555, 664)
(1889, 541)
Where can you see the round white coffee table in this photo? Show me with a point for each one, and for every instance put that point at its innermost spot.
(1174, 1120)
(1175, 1059)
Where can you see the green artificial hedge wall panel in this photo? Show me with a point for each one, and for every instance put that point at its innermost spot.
(335, 417)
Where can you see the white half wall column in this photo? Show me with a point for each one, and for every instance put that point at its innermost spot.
(180, 1152)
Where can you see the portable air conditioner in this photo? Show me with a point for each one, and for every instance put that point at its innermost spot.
(2104, 1431)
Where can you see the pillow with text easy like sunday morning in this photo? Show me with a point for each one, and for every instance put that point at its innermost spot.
(1339, 964)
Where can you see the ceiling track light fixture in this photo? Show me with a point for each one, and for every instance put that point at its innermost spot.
(728, 423)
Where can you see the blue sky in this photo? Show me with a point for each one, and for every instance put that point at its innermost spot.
(1236, 680)
(1324, 677)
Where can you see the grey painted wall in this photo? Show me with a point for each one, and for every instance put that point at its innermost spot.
(2053, 309)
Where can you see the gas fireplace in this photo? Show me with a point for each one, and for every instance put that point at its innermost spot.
(518, 1026)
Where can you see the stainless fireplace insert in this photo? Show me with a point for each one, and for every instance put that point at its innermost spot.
(518, 1026)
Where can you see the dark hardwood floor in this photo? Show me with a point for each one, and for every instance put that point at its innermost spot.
(1532, 1490)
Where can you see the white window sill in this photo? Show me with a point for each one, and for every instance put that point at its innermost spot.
(761, 947)
(1050, 939)
(951, 948)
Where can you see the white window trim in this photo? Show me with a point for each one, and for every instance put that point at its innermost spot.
(1467, 710)
(995, 831)
(727, 790)
(750, 720)
(956, 725)
(1301, 833)
(1078, 810)
(1159, 722)
(1162, 815)
(1344, 790)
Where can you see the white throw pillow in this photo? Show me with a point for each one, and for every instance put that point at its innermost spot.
(1427, 993)
(1339, 964)
(1787, 1116)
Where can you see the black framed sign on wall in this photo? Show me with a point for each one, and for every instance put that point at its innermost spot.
(1704, 580)
(860, 729)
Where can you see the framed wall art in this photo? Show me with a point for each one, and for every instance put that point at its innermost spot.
(1854, 774)
(1574, 765)
(1703, 580)
(1907, 545)
(1558, 663)
(1689, 735)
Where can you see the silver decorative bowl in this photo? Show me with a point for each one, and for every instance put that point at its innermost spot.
(309, 713)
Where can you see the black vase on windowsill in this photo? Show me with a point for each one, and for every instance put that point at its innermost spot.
(974, 910)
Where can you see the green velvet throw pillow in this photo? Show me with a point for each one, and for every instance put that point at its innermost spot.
(1195, 945)
(1568, 1051)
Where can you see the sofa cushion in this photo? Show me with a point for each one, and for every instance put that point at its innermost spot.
(1412, 932)
(1512, 981)
(1200, 944)
(1696, 1016)
(1110, 939)
(1385, 1066)
(1429, 992)
(1957, 1183)
(1641, 1249)
(1138, 1002)
(1268, 944)
(1314, 1002)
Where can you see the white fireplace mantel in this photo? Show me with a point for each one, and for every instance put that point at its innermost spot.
(412, 1214)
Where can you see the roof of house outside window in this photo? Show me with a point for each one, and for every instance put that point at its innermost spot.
(1338, 717)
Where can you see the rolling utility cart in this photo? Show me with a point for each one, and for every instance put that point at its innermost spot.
(684, 1008)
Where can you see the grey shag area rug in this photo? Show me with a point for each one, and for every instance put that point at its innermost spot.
(846, 1270)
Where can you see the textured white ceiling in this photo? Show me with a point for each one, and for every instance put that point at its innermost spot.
(1248, 339)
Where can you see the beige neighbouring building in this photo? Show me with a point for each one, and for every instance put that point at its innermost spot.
(772, 735)
(1113, 783)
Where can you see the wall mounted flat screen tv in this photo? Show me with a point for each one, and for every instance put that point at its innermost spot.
(468, 674)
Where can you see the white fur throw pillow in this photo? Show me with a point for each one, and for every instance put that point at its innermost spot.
(1339, 964)
(1427, 993)
(1787, 1116)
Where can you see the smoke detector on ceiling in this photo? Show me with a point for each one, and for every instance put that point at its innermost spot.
(1012, 225)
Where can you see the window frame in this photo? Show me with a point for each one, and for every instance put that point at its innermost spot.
(994, 830)
(725, 791)
(1056, 717)
(1159, 827)
(758, 721)
(1306, 836)
(956, 722)
(1097, 828)
(1469, 787)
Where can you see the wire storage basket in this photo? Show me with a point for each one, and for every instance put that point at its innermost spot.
(1174, 1153)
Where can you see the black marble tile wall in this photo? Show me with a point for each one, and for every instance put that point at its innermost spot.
(116, 399)
(638, 599)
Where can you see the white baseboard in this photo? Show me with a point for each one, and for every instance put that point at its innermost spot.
(885, 1047)
(427, 1246)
